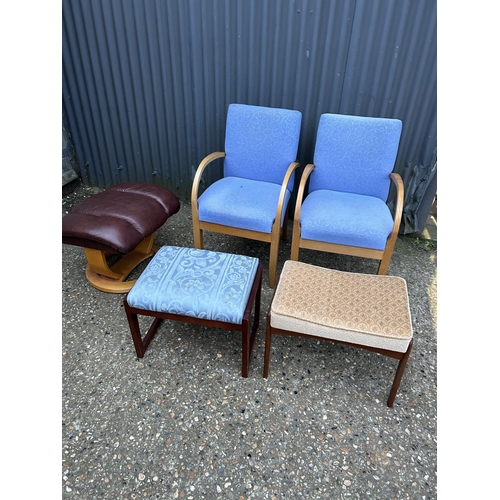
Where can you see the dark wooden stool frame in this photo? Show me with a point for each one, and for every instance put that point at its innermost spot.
(402, 356)
(248, 332)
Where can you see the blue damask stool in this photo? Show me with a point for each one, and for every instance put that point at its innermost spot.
(197, 286)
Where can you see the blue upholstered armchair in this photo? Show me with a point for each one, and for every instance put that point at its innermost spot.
(251, 200)
(345, 210)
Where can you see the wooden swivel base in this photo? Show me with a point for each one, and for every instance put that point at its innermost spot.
(112, 279)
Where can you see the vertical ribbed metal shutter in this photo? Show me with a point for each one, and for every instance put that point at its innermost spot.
(146, 84)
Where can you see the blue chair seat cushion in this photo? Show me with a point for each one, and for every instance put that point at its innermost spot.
(346, 219)
(197, 283)
(242, 203)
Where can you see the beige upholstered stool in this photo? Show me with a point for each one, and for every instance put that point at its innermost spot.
(360, 310)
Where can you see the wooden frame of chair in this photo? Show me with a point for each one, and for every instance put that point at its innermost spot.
(248, 330)
(384, 256)
(273, 237)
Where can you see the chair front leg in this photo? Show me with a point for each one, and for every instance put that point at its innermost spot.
(197, 234)
(273, 254)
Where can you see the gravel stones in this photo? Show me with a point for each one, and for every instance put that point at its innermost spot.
(182, 423)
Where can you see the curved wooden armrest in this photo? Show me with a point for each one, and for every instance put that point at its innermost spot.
(199, 172)
(291, 169)
(398, 212)
(302, 186)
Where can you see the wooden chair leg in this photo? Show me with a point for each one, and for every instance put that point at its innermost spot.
(383, 267)
(294, 255)
(197, 232)
(273, 256)
(399, 375)
(284, 230)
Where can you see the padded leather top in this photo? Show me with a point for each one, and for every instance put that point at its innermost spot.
(119, 218)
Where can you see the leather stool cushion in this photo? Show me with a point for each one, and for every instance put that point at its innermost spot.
(119, 218)
(197, 283)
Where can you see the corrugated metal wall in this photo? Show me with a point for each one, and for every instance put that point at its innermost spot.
(146, 83)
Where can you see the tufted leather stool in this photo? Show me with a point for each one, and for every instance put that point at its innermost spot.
(361, 310)
(122, 221)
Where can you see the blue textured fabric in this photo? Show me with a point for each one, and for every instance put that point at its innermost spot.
(346, 219)
(197, 283)
(355, 154)
(261, 142)
(242, 203)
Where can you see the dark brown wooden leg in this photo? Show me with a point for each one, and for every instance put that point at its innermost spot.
(248, 337)
(256, 318)
(135, 331)
(267, 350)
(140, 344)
(399, 375)
(245, 348)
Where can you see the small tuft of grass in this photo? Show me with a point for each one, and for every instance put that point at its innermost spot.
(424, 243)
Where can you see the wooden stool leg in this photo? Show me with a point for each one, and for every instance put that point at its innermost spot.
(248, 336)
(245, 348)
(267, 350)
(135, 331)
(399, 375)
(140, 344)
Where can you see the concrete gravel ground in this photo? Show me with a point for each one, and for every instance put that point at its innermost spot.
(182, 423)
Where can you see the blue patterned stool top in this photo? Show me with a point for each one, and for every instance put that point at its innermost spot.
(198, 283)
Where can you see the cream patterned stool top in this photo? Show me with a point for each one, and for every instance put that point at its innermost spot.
(366, 309)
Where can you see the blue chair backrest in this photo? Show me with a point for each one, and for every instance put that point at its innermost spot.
(355, 154)
(261, 142)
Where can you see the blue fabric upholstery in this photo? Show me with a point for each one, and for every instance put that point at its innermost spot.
(197, 283)
(355, 154)
(242, 203)
(261, 142)
(346, 219)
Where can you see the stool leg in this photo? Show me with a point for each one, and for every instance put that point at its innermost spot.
(248, 336)
(133, 322)
(140, 344)
(399, 375)
(267, 350)
(245, 349)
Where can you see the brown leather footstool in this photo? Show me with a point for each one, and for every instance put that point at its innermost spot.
(121, 220)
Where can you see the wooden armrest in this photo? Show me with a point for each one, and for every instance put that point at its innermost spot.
(302, 186)
(291, 169)
(398, 212)
(199, 172)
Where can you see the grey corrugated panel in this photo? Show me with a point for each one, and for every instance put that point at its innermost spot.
(282, 54)
(391, 72)
(146, 85)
